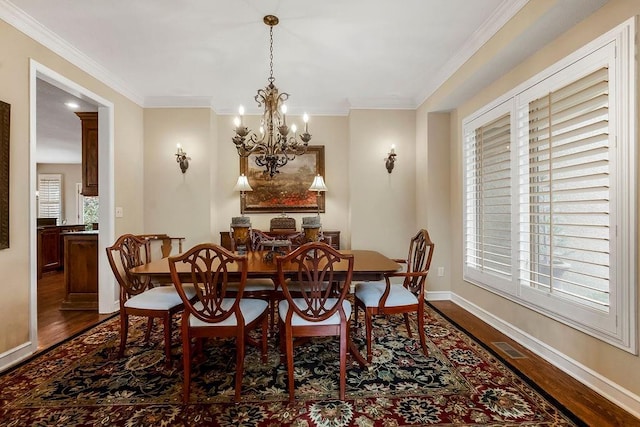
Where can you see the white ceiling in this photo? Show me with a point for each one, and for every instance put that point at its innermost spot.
(330, 56)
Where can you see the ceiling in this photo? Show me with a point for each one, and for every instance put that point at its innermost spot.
(330, 56)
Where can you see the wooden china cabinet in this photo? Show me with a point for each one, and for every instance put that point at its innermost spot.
(89, 153)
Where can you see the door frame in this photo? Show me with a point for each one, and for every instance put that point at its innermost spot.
(107, 290)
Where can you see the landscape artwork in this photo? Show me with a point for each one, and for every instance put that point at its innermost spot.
(288, 190)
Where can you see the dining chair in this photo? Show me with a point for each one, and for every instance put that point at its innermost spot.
(138, 295)
(313, 309)
(216, 311)
(385, 297)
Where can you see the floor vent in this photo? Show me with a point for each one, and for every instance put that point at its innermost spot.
(509, 350)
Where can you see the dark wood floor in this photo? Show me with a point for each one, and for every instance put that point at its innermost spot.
(589, 406)
(54, 325)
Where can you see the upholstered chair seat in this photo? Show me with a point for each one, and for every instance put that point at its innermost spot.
(159, 298)
(370, 294)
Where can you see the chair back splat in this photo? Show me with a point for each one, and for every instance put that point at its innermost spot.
(419, 260)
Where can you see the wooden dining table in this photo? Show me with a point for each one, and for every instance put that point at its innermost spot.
(367, 265)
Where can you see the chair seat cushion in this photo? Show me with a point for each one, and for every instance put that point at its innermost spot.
(251, 309)
(371, 292)
(254, 285)
(296, 320)
(159, 298)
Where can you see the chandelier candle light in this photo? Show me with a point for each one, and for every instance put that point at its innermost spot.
(277, 144)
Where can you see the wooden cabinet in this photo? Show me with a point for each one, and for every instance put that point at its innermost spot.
(89, 153)
(51, 246)
(80, 271)
(331, 237)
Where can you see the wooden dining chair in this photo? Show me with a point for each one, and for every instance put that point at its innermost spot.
(138, 295)
(384, 298)
(216, 311)
(314, 310)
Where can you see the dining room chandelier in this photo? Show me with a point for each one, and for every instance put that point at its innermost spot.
(277, 143)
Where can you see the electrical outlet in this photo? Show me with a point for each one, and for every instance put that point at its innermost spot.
(119, 212)
(440, 271)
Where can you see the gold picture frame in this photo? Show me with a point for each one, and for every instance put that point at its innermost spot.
(288, 190)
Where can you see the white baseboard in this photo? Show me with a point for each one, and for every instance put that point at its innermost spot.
(600, 384)
(16, 355)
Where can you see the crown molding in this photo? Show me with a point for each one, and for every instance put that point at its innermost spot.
(178, 102)
(502, 15)
(26, 24)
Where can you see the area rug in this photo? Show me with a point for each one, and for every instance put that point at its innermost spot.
(83, 383)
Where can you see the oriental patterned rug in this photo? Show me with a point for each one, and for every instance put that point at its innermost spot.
(82, 383)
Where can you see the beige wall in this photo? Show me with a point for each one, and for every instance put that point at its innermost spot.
(71, 174)
(616, 367)
(15, 286)
(179, 204)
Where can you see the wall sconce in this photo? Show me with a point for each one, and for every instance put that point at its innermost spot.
(391, 158)
(182, 159)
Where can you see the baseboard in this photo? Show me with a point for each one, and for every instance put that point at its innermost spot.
(438, 296)
(15, 355)
(600, 384)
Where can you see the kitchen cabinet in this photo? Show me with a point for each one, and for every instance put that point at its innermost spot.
(89, 153)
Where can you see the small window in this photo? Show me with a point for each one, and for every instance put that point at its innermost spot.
(50, 196)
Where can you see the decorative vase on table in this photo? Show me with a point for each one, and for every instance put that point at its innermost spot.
(240, 226)
(311, 227)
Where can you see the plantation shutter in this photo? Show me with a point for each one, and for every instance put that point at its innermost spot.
(49, 195)
(567, 180)
(488, 198)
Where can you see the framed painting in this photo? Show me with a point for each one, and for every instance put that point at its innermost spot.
(287, 191)
(5, 116)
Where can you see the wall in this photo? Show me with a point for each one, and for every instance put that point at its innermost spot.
(15, 287)
(179, 204)
(71, 174)
(613, 370)
(382, 204)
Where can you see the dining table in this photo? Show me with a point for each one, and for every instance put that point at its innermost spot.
(368, 265)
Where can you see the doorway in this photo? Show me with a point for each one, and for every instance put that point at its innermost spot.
(69, 324)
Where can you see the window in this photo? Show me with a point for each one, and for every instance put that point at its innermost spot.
(86, 207)
(549, 192)
(50, 196)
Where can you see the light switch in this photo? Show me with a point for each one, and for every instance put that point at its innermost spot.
(440, 271)
(119, 212)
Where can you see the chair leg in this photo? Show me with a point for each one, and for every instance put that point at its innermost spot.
(368, 327)
(421, 333)
(265, 326)
(240, 346)
(167, 339)
(343, 361)
(186, 360)
(289, 345)
(124, 331)
(406, 323)
(147, 334)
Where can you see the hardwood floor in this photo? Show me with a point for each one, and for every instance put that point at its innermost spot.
(54, 325)
(588, 405)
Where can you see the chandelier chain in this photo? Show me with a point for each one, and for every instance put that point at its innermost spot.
(271, 78)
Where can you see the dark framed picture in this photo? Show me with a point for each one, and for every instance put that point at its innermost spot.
(288, 190)
(5, 117)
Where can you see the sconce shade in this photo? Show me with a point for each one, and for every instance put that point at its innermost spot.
(318, 184)
(242, 184)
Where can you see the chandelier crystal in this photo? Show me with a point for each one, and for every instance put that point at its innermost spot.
(278, 143)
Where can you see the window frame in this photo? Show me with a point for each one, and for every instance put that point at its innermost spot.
(618, 326)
